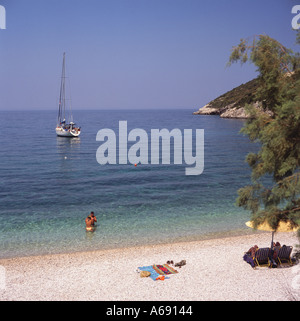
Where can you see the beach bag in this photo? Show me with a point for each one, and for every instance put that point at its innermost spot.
(144, 274)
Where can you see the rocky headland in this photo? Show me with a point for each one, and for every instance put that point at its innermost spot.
(232, 104)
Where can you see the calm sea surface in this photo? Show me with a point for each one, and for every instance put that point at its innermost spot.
(49, 184)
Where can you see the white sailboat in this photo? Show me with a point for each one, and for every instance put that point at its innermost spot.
(65, 125)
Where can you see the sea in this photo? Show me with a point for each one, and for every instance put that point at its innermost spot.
(50, 184)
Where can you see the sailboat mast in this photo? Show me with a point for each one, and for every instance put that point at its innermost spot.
(64, 91)
(62, 99)
(65, 126)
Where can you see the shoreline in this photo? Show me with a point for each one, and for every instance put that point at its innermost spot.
(178, 240)
(214, 271)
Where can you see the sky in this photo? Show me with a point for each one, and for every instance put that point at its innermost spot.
(131, 54)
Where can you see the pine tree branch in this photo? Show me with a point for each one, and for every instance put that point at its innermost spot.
(289, 211)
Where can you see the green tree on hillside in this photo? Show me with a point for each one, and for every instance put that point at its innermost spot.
(277, 128)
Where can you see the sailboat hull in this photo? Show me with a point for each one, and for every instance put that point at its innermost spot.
(66, 133)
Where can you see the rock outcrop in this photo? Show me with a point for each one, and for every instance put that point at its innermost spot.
(229, 111)
(226, 112)
(232, 103)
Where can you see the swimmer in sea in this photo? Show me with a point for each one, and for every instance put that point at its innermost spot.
(88, 223)
(93, 217)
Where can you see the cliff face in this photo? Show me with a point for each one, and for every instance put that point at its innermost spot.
(231, 104)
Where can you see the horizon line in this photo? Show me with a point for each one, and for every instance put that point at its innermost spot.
(107, 109)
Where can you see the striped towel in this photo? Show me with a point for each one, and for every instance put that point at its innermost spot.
(157, 270)
(164, 269)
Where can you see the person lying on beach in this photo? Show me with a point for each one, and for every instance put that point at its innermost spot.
(88, 223)
(249, 255)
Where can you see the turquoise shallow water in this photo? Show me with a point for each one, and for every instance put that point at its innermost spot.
(50, 184)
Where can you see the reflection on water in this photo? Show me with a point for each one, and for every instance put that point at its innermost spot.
(90, 234)
(68, 147)
(68, 151)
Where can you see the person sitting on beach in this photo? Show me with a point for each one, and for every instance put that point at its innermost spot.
(88, 223)
(93, 218)
(277, 246)
(271, 256)
(249, 255)
(274, 253)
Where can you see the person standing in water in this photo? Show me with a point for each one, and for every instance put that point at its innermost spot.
(90, 222)
(94, 219)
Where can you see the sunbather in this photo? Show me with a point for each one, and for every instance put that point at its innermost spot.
(249, 255)
(271, 258)
(274, 253)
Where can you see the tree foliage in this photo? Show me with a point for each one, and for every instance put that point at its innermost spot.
(277, 131)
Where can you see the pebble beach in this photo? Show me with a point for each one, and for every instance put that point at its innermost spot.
(214, 271)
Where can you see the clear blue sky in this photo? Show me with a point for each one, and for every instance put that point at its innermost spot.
(130, 53)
